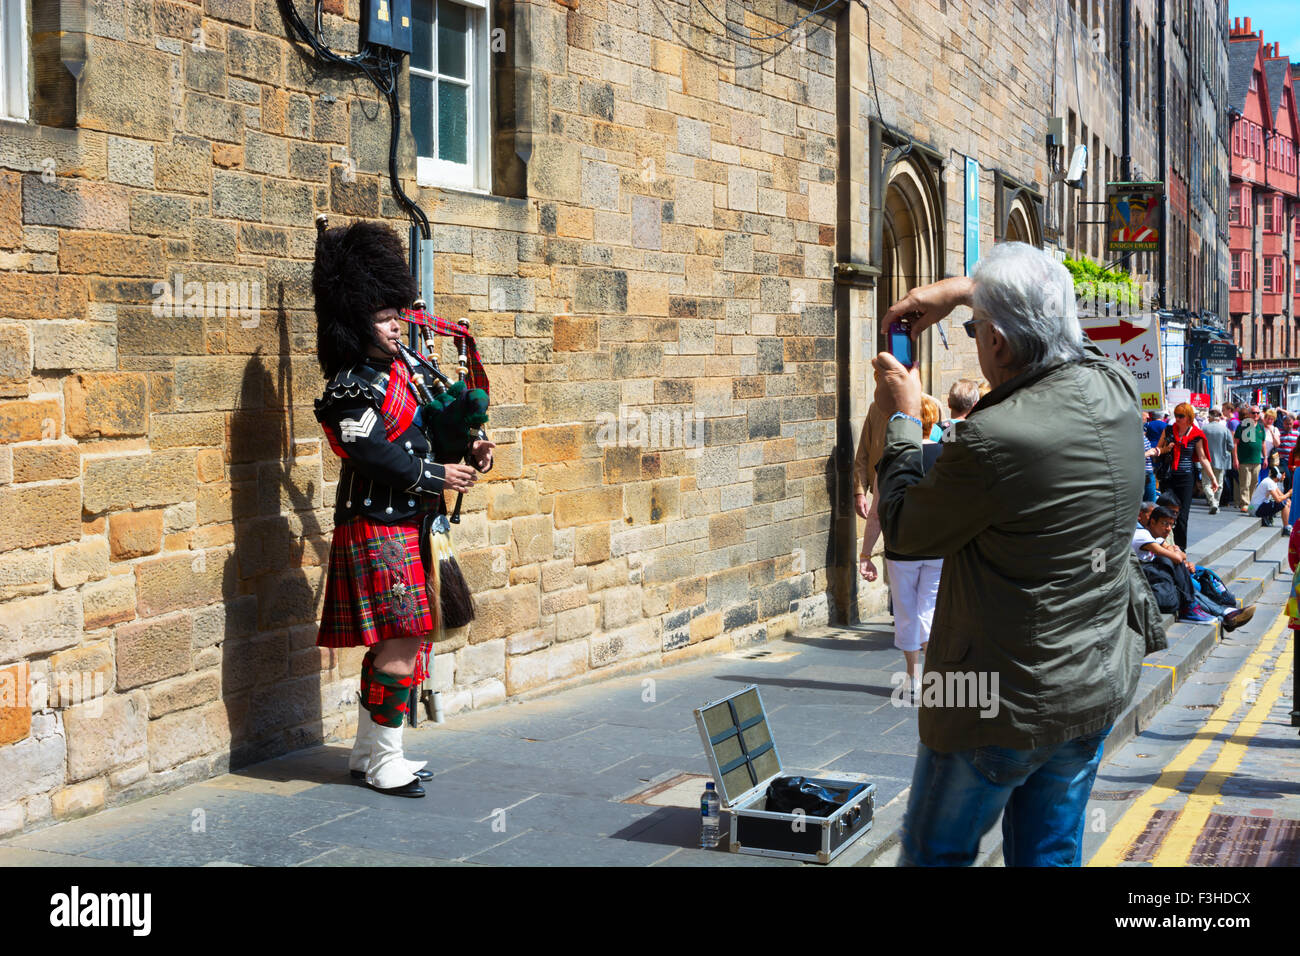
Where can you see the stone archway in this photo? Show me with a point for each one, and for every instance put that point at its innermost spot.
(912, 237)
(1022, 224)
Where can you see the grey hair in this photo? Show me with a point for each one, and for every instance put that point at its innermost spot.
(1029, 297)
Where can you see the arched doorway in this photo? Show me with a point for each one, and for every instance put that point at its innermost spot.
(911, 244)
(1022, 224)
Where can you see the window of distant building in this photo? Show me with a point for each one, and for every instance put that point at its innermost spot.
(1268, 208)
(1236, 271)
(1234, 208)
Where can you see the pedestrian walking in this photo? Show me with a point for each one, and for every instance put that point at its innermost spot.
(1038, 584)
(1286, 447)
(1218, 439)
(1148, 453)
(1187, 445)
(1247, 453)
(914, 579)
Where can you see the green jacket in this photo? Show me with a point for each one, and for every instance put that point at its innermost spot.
(1032, 504)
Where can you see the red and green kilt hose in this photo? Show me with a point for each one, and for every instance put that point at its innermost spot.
(375, 588)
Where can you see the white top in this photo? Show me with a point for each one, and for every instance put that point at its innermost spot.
(1262, 493)
(1140, 537)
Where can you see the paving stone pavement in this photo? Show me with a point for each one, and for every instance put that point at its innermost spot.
(539, 782)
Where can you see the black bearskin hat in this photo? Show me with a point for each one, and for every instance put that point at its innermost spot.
(360, 269)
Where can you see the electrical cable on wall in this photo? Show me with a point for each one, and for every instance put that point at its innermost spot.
(381, 65)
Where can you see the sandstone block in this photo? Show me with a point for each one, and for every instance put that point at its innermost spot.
(75, 203)
(15, 359)
(79, 800)
(11, 210)
(15, 708)
(556, 443)
(34, 516)
(480, 662)
(504, 612)
(133, 534)
(119, 90)
(81, 674)
(31, 766)
(187, 734)
(627, 644)
(104, 735)
(105, 253)
(559, 662)
(575, 622)
(78, 563)
(591, 544)
(576, 335)
(149, 651)
(588, 507)
(109, 602)
(24, 295)
(75, 345)
(138, 481)
(188, 580)
(43, 462)
(180, 693)
(107, 405)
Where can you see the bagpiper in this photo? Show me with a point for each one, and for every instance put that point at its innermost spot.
(401, 452)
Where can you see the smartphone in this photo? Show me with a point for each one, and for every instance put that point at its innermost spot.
(900, 342)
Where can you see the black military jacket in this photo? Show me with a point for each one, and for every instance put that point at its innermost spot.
(368, 413)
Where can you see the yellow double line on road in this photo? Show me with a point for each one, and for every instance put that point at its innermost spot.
(1177, 845)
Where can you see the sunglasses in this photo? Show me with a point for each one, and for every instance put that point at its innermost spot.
(969, 326)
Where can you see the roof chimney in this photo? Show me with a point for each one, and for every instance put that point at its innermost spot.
(1248, 29)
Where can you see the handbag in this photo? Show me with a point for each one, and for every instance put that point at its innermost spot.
(1163, 466)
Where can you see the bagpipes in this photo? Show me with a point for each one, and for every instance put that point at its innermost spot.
(452, 417)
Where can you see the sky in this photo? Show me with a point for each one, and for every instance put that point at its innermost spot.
(1277, 18)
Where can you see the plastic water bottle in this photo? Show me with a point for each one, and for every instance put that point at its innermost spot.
(710, 815)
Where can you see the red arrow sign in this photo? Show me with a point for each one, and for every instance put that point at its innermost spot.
(1125, 332)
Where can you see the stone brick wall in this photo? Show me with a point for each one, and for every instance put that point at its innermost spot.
(165, 499)
(165, 496)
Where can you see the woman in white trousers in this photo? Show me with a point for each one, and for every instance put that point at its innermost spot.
(913, 580)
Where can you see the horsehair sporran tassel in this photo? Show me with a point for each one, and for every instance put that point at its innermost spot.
(457, 603)
(433, 586)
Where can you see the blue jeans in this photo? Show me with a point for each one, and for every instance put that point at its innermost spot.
(1042, 795)
(1149, 493)
(1210, 606)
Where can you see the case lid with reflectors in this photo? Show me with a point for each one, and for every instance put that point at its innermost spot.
(739, 745)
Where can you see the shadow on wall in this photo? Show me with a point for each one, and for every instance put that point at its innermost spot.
(275, 681)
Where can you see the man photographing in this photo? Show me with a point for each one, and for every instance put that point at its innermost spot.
(1031, 505)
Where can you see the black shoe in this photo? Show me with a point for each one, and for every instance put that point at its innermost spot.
(412, 789)
(1268, 522)
(420, 774)
(1233, 621)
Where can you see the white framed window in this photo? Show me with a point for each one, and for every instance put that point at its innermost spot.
(13, 59)
(449, 92)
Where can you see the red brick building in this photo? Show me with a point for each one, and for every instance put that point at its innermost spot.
(1264, 198)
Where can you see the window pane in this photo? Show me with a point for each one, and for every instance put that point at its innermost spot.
(422, 114)
(453, 123)
(452, 27)
(422, 35)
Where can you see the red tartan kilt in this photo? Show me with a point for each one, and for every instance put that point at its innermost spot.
(375, 589)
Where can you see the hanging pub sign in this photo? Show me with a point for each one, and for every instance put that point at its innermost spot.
(1133, 216)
